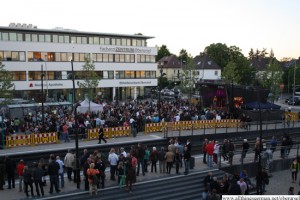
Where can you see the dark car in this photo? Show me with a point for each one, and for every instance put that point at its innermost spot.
(295, 102)
(288, 99)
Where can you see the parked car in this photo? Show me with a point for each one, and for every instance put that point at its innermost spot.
(288, 99)
(295, 102)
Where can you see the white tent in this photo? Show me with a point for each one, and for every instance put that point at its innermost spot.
(87, 105)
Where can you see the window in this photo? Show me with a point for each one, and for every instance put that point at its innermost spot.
(7, 56)
(57, 57)
(67, 38)
(153, 74)
(15, 56)
(81, 57)
(110, 74)
(55, 38)
(41, 38)
(50, 56)
(148, 74)
(47, 38)
(133, 42)
(118, 41)
(73, 40)
(117, 58)
(96, 40)
(122, 58)
(34, 75)
(84, 40)
(13, 36)
(139, 43)
(27, 37)
(128, 42)
(20, 37)
(91, 40)
(110, 57)
(123, 42)
(69, 57)
(138, 74)
(105, 57)
(216, 73)
(19, 76)
(64, 57)
(78, 40)
(61, 39)
(76, 57)
(102, 40)
(5, 36)
(127, 58)
(99, 57)
(34, 38)
(1, 55)
(113, 41)
(107, 41)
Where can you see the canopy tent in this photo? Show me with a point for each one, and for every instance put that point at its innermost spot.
(90, 106)
(265, 106)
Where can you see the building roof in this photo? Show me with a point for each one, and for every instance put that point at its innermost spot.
(204, 62)
(60, 30)
(169, 62)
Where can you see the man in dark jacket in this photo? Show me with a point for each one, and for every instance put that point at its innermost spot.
(245, 149)
(38, 173)
(186, 158)
(10, 166)
(53, 168)
(2, 174)
(140, 158)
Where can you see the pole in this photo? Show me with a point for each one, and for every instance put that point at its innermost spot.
(159, 90)
(42, 84)
(47, 94)
(294, 87)
(76, 128)
(260, 134)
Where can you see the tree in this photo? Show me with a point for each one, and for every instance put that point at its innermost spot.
(229, 73)
(272, 78)
(251, 54)
(89, 79)
(188, 76)
(183, 56)
(6, 85)
(162, 52)
(218, 53)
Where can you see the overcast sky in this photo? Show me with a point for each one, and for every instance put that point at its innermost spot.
(190, 24)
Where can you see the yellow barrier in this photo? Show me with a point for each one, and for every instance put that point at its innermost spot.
(109, 132)
(294, 116)
(154, 127)
(32, 139)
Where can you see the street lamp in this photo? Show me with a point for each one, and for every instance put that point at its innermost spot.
(76, 129)
(294, 83)
(159, 91)
(42, 84)
(47, 95)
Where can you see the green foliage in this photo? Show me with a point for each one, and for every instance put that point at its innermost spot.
(188, 76)
(183, 56)
(162, 52)
(6, 85)
(229, 73)
(218, 53)
(288, 77)
(163, 82)
(272, 78)
(89, 78)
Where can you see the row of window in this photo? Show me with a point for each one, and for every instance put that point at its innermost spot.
(77, 57)
(65, 75)
(65, 38)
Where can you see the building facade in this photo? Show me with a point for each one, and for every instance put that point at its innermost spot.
(124, 64)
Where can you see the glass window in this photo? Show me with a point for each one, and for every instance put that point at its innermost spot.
(122, 58)
(36, 56)
(84, 40)
(123, 42)
(47, 38)
(20, 37)
(153, 74)
(142, 74)
(55, 38)
(91, 40)
(96, 40)
(61, 39)
(216, 73)
(13, 36)
(105, 57)
(107, 41)
(69, 56)
(63, 57)
(78, 40)
(128, 42)
(117, 58)
(0, 36)
(41, 38)
(138, 43)
(110, 57)
(19, 76)
(44, 56)
(7, 56)
(121, 74)
(67, 38)
(99, 57)
(143, 43)
(27, 37)
(119, 41)
(57, 57)
(81, 57)
(143, 59)
(138, 58)
(50, 56)
(57, 75)
(111, 74)
(30, 56)
(102, 40)
(113, 41)
(147, 74)
(138, 74)
(73, 40)
(127, 74)
(127, 58)
(15, 56)
(34, 38)
(133, 42)
(132, 58)
(152, 59)
(94, 57)
(76, 57)
(1, 55)
(117, 75)
(5, 36)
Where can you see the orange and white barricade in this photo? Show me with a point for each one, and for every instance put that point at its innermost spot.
(177, 126)
(126, 131)
(93, 133)
(17, 140)
(107, 132)
(45, 138)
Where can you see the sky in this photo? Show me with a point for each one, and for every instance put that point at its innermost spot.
(191, 25)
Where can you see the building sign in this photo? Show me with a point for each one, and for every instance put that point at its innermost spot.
(137, 50)
(124, 83)
(45, 85)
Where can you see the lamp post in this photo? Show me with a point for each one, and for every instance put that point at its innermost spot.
(159, 90)
(76, 129)
(42, 84)
(47, 94)
(294, 87)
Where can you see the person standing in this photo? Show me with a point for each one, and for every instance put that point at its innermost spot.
(2, 174)
(154, 158)
(61, 171)
(130, 173)
(146, 158)
(225, 150)
(65, 129)
(92, 179)
(231, 149)
(204, 150)
(245, 149)
(20, 170)
(295, 166)
(209, 148)
(101, 135)
(177, 159)
(169, 159)
(113, 161)
(28, 181)
(140, 158)
(53, 169)
(37, 174)
(100, 165)
(186, 158)
(69, 161)
(216, 152)
(256, 149)
(162, 160)
(10, 171)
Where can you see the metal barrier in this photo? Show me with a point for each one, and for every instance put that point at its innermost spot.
(31, 140)
(109, 132)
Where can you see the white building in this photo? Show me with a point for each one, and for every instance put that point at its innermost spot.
(123, 63)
